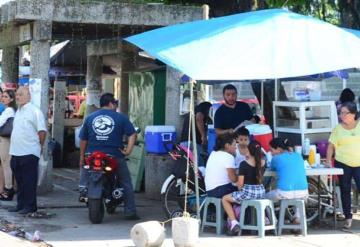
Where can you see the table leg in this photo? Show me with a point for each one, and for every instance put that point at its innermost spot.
(319, 200)
(334, 199)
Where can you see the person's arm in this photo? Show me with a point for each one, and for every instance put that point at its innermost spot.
(200, 123)
(231, 174)
(223, 131)
(333, 139)
(83, 146)
(330, 153)
(273, 163)
(42, 137)
(240, 182)
(5, 115)
(130, 145)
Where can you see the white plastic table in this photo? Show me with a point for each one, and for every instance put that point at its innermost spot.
(318, 172)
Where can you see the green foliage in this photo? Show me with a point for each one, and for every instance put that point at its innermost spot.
(285, 3)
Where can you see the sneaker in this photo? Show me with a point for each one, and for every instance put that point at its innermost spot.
(26, 211)
(132, 217)
(234, 231)
(347, 224)
(83, 196)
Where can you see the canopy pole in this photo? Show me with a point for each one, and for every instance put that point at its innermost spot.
(344, 81)
(276, 90)
(262, 98)
(193, 130)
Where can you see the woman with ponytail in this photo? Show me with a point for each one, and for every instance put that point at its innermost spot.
(289, 166)
(249, 183)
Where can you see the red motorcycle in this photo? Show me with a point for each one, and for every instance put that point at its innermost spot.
(104, 191)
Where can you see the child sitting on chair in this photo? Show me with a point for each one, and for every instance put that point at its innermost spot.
(242, 140)
(289, 165)
(249, 183)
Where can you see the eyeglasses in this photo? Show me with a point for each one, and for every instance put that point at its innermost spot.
(344, 113)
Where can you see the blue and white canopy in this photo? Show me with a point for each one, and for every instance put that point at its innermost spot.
(264, 44)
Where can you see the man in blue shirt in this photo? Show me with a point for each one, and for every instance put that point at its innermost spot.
(232, 112)
(103, 131)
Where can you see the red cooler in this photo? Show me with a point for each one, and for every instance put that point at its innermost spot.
(261, 133)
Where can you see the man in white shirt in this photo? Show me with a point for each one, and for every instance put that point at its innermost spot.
(27, 139)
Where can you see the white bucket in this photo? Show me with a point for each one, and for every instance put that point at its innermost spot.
(185, 231)
(148, 234)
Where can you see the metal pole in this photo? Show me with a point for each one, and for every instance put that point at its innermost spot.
(193, 129)
(262, 98)
(276, 90)
(344, 81)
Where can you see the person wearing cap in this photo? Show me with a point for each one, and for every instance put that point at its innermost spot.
(103, 130)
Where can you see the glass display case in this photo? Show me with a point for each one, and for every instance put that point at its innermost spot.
(304, 119)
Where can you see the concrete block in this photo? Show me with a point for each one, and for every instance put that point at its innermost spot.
(157, 169)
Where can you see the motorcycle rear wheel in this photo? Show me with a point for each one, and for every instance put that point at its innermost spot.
(96, 210)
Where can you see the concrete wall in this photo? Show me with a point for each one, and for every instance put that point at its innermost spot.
(99, 13)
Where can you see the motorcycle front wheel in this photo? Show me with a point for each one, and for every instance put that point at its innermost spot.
(96, 210)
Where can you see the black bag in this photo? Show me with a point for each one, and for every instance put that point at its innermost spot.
(6, 129)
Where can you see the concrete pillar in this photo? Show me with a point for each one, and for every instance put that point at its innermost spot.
(40, 65)
(60, 92)
(124, 93)
(10, 64)
(172, 106)
(93, 83)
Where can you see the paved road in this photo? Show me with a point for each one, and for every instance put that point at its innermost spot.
(69, 226)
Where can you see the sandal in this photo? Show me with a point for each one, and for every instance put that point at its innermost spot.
(7, 194)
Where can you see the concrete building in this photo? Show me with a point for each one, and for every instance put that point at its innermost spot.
(100, 25)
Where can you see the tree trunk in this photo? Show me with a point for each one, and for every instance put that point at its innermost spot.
(349, 13)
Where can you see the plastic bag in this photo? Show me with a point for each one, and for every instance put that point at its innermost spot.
(42, 169)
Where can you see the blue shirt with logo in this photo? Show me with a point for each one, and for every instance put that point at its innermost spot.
(104, 130)
(290, 169)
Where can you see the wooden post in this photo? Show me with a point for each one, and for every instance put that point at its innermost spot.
(59, 106)
(124, 93)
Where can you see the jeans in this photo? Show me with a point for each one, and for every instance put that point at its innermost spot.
(25, 170)
(125, 183)
(345, 185)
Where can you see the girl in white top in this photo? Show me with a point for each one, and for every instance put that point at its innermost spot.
(8, 99)
(220, 167)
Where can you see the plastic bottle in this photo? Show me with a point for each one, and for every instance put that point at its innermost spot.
(311, 158)
(306, 147)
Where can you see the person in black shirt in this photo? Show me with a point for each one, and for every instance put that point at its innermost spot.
(232, 112)
(201, 123)
(249, 183)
